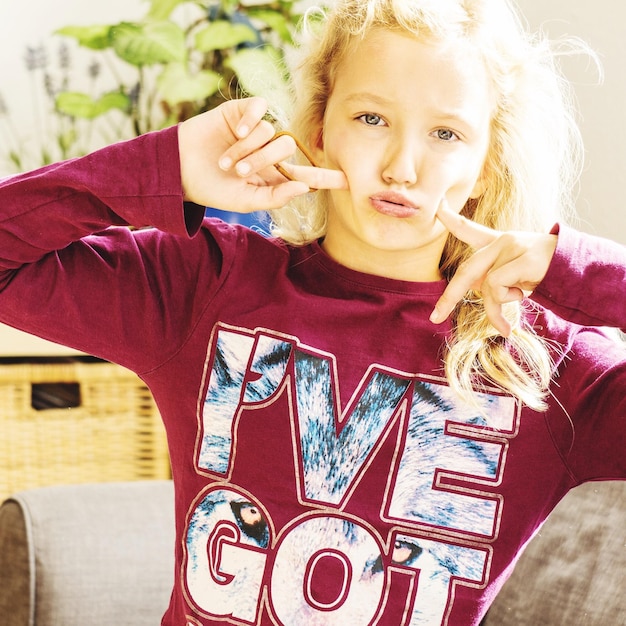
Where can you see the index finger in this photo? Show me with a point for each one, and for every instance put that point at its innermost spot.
(476, 235)
(315, 177)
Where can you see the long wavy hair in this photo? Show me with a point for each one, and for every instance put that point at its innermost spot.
(532, 166)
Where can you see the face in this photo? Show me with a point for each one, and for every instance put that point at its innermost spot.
(408, 123)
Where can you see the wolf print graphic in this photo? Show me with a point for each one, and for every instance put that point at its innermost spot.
(318, 514)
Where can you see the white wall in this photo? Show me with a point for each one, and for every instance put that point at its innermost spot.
(31, 24)
(601, 23)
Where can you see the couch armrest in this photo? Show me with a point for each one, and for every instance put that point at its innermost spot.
(97, 554)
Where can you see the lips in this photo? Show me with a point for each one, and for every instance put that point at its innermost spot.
(393, 204)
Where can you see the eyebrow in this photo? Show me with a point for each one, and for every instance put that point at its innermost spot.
(365, 95)
(444, 114)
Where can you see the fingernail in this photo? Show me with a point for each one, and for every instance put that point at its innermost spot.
(243, 131)
(226, 163)
(435, 316)
(243, 168)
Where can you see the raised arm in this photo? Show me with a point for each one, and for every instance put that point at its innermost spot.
(223, 159)
(579, 277)
(586, 280)
(66, 276)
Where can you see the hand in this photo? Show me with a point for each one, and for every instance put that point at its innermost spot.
(505, 267)
(227, 157)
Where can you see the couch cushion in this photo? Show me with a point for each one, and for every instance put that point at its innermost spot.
(574, 571)
(88, 554)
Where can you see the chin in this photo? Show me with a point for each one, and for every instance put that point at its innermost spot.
(404, 239)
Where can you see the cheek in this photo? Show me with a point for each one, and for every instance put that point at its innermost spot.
(462, 174)
(361, 168)
(334, 153)
(457, 183)
(459, 192)
(343, 151)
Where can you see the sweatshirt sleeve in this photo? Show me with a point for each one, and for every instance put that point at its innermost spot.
(586, 281)
(73, 273)
(585, 284)
(136, 183)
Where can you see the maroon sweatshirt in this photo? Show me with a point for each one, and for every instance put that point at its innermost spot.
(324, 472)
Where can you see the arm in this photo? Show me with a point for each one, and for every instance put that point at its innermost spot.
(100, 292)
(582, 281)
(119, 294)
(586, 280)
(223, 158)
(135, 182)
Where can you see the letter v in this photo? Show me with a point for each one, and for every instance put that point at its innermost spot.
(335, 451)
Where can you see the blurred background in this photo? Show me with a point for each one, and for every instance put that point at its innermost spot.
(27, 42)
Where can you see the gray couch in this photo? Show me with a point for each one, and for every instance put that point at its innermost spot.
(88, 555)
(101, 555)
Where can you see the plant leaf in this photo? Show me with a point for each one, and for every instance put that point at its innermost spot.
(162, 9)
(177, 85)
(148, 44)
(260, 73)
(275, 20)
(94, 37)
(16, 159)
(46, 157)
(228, 6)
(220, 34)
(82, 105)
(75, 104)
(112, 100)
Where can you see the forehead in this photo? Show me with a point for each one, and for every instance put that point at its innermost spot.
(398, 66)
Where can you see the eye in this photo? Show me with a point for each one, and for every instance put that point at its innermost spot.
(251, 521)
(250, 514)
(445, 134)
(405, 552)
(371, 119)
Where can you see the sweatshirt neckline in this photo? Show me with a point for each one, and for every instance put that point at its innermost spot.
(372, 281)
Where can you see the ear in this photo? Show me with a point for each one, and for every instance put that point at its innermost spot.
(316, 142)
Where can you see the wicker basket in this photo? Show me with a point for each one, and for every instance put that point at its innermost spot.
(77, 421)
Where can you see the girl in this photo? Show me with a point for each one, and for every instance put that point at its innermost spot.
(368, 418)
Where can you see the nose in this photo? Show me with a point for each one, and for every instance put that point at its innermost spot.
(401, 163)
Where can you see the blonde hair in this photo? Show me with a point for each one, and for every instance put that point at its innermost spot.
(532, 166)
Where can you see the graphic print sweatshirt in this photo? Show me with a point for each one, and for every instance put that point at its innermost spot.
(324, 472)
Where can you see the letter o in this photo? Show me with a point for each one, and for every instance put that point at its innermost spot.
(358, 589)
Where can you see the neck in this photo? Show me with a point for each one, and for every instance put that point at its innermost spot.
(420, 266)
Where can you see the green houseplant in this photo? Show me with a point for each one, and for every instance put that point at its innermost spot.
(183, 57)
